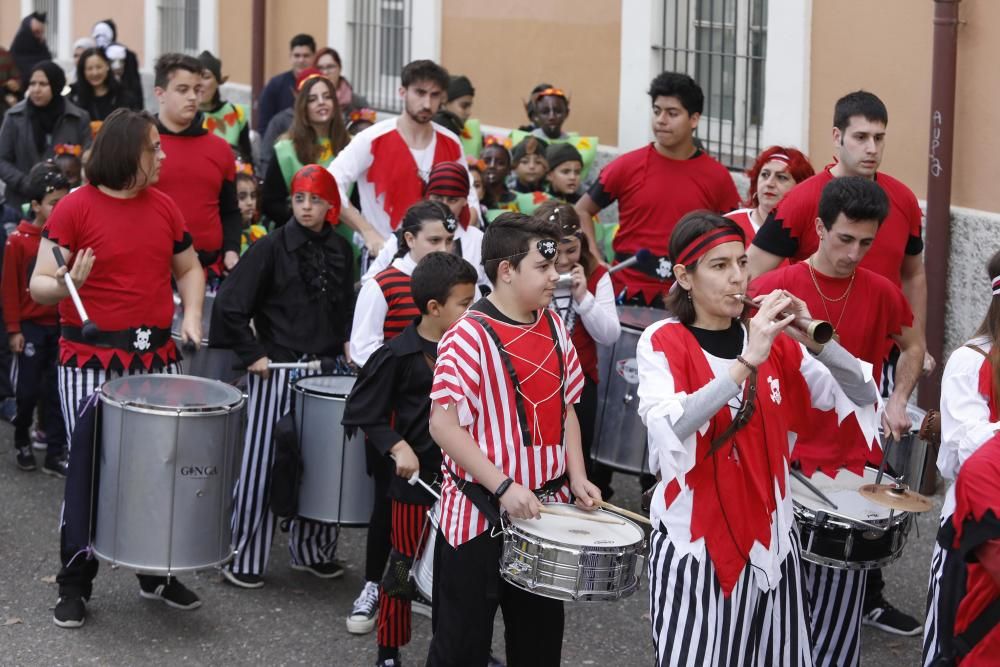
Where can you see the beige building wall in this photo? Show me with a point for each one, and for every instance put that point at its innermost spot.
(889, 53)
(506, 48)
(235, 47)
(284, 22)
(130, 23)
(10, 21)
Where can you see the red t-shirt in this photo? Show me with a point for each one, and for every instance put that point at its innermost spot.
(874, 310)
(790, 230)
(654, 192)
(18, 263)
(192, 174)
(134, 242)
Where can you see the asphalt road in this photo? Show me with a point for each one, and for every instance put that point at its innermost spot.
(297, 619)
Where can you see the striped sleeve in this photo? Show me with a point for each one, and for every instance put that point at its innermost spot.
(457, 371)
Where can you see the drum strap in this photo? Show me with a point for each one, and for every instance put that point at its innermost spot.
(488, 505)
(522, 415)
(977, 349)
(743, 414)
(137, 339)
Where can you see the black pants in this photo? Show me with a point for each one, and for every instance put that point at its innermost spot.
(38, 382)
(467, 591)
(379, 538)
(586, 412)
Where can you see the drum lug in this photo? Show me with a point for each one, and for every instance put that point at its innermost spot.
(628, 398)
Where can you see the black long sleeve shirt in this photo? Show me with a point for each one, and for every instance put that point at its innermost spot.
(298, 288)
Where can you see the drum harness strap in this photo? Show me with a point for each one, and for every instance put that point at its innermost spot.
(477, 494)
(137, 339)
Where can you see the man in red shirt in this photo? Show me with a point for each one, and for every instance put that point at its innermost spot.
(199, 173)
(867, 311)
(655, 186)
(859, 130)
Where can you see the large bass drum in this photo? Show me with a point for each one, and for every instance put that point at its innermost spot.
(213, 363)
(620, 442)
(335, 485)
(170, 447)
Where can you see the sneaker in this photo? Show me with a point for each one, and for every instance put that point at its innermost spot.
(70, 612)
(887, 618)
(55, 467)
(173, 594)
(421, 605)
(365, 612)
(26, 458)
(389, 662)
(331, 570)
(495, 662)
(39, 441)
(242, 580)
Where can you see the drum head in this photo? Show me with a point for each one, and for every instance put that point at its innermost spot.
(580, 532)
(326, 385)
(638, 317)
(156, 391)
(842, 490)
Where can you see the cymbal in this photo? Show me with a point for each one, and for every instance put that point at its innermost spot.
(895, 497)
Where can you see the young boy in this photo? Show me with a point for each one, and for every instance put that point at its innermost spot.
(391, 404)
(507, 367)
(563, 177)
(528, 159)
(297, 286)
(33, 329)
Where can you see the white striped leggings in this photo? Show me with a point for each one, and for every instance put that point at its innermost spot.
(309, 542)
(695, 624)
(836, 598)
(932, 633)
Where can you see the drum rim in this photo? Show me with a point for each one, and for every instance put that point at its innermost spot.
(510, 527)
(187, 411)
(296, 386)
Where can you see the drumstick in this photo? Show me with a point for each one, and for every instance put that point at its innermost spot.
(797, 474)
(578, 515)
(415, 479)
(88, 329)
(314, 365)
(624, 512)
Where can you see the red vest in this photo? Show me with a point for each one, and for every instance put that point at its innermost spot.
(396, 289)
(584, 344)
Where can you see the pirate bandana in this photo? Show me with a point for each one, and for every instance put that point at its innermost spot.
(316, 180)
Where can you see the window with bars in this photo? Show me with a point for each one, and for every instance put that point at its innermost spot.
(723, 45)
(380, 34)
(178, 26)
(51, 8)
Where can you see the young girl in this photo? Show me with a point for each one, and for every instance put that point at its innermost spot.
(496, 159)
(548, 111)
(565, 167)
(384, 308)
(246, 196)
(226, 119)
(529, 162)
(587, 308)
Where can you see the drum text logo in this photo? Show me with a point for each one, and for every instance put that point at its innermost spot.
(199, 472)
(628, 369)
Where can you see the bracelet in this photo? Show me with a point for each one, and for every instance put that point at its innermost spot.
(746, 363)
(502, 489)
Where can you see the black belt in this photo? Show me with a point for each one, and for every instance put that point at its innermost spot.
(138, 339)
(489, 505)
(658, 266)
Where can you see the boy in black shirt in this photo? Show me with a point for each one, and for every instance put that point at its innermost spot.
(391, 404)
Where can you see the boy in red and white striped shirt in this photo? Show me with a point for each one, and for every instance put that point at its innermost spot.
(505, 382)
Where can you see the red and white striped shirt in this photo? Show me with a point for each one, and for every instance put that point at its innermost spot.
(470, 376)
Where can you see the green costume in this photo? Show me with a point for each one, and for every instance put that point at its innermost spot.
(227, 121)
(586, 145)
(472, 138)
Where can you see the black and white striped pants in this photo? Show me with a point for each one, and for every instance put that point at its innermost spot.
(932, 633)
(836, 600)
(695, 624)
(309, 542)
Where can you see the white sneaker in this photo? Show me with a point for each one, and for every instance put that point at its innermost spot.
(365, 612)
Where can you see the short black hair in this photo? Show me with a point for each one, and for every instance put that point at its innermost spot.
(509, 238)
(425, 70)
(858, 198)
(436, 274)
(116, 154)
(681, 86)
(169, 63)
(302, 39)
(859, 103)
(44, 178)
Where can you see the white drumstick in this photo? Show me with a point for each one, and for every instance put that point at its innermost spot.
(415, 479)
(314, 365)
(585, 517)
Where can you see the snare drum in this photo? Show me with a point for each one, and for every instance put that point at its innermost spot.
(621, 436)
(213, 363)
(572, 559)
(335, 485)
(908, 456)
(422, 571)
(859, 534)
(170, 447)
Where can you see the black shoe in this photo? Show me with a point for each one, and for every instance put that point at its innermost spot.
(390, 662)
(242, 580)
(173, 594)
(26, 458)
(887, 618)
(70, 612)
(56, 467)
(331, 570)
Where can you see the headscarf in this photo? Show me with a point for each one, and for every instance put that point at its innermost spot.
(316, 180)
(105, 33)
(26, 49)
(44, 119)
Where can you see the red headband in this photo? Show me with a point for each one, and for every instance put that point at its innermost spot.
(316, 180)
(702, 244)
(550, 92)
(780, 157)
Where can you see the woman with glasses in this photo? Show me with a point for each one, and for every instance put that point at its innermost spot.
(328, 62)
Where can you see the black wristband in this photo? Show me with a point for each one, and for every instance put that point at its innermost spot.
(502, 489)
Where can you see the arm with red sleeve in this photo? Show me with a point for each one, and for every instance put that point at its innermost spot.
(11, 285)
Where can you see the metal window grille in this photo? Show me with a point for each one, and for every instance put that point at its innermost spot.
(723, 45)
(178, 26)
(51, 7)
(380, 38)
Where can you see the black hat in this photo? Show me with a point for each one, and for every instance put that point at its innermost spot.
(212, 64)
(562, 152)
(459, 86)
(527, 146)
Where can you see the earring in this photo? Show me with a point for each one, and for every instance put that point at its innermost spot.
(689, 294)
